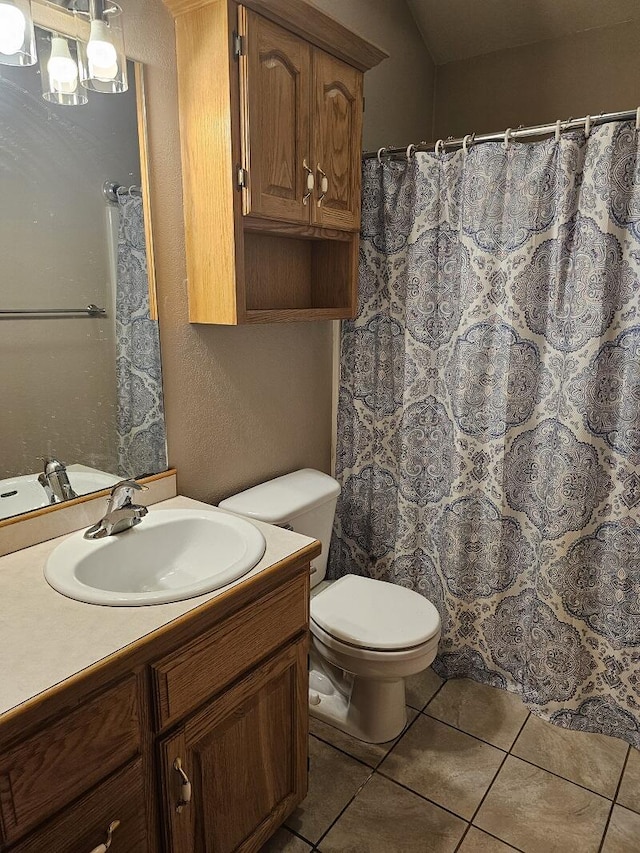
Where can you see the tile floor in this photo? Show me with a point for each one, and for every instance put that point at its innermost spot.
(473, 772)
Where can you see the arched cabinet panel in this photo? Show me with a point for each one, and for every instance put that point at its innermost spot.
(337, 131)
(275, 93)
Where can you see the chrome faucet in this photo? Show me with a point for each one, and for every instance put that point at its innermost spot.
(121, 513)
(55, 482)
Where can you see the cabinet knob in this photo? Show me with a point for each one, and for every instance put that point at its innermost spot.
(185, 786)
(102, 848)
(311, 182)
(324, 184)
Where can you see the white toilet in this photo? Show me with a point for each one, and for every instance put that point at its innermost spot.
(368, 635)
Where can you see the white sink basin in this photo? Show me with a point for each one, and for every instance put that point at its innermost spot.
(171, 555)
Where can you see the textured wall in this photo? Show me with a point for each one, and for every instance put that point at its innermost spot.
(589, 72)
(242, 404)
(399, 92)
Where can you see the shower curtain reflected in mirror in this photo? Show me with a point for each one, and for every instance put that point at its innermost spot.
(140, 414)
(489, 414)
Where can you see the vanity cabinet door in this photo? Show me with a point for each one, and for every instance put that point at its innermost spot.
(337, 135)
(275, 77)
(235, 770)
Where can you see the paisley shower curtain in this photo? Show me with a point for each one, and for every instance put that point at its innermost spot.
(489, 414)
(140, 413)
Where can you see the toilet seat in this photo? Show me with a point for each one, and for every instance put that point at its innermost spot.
(369, 617)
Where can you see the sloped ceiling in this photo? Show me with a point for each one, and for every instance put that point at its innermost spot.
(458, 29)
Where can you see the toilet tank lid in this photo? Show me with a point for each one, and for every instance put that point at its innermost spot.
(280, 500)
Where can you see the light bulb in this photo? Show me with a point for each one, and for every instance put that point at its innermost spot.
(100, 50)
(12, 28)
(104, 75)
(62, 68)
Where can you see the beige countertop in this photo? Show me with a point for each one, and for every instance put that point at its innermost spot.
(46, 638)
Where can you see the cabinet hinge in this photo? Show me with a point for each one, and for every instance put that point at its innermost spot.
(242, 177)
(238, 45)
(364, 104)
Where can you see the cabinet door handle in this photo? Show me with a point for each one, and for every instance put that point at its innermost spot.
(324, 184)
(185, 786)
(102, 848)
(311, 182)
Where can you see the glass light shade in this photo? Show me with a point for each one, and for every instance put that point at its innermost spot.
(59, 72)
(17, 35)
(103, 62)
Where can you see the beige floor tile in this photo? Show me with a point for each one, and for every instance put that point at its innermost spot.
(595, 761)
(285, 842)
(385, 817)
(476, 841)
(371, 753)
(333, 779)
(623, 834)
(487, 712)
(629, 794)
(445, 765)
(421, 687)
(540, 813)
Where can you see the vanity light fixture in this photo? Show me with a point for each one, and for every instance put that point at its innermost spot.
(102, 61)
(59, 71)
(68, 65)
(17, 35)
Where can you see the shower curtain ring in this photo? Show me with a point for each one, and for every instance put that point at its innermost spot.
(507, 138)
(587, 127)
(439, 147)
(380, 153)
(410, 149)
(465, 142)
(558, 129)
(638, 119)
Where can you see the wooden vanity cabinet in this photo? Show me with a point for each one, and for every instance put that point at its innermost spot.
(223, 689)
(271, 103)
(245, 755)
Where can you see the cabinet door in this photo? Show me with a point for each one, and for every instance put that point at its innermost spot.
(337, 142)
(245, 756)
(275, 77)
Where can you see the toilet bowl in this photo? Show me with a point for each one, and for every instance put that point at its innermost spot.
(367, 635)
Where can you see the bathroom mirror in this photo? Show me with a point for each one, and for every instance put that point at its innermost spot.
(80, 376)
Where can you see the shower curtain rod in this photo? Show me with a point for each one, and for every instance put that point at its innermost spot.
(517, 133)
(113, 190)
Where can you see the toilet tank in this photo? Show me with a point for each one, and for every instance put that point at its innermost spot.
(304, 501)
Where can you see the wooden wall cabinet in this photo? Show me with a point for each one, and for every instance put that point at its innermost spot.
(220, 694)
(271, 131)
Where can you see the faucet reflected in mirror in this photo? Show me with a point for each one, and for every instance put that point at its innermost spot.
(83, 386)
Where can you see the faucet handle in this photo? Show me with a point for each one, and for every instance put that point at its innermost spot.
(123, 492)
(52, 464)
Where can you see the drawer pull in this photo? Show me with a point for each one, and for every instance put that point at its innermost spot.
(185, 786)
(102, 848)
(310, 182)
(324, 184)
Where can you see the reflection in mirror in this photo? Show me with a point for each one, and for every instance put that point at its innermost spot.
(79, 385)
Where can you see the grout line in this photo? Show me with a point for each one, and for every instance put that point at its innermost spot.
(462, 731)
(422, 796)
(564, 778)
(343, 810)
(615, 797)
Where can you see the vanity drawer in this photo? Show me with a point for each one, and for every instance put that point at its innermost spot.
(189, 676)
(82, 827)
(47, 771)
